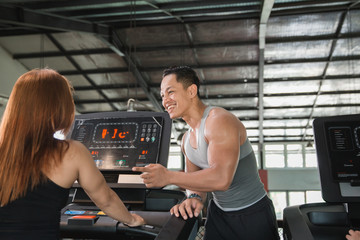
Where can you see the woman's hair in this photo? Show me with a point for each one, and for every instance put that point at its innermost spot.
(40, 104)
(184, 75)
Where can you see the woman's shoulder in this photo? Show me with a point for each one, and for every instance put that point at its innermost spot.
(76, 149)
(73, 144)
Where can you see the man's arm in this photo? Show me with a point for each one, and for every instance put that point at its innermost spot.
(190, 167)
(224, 133)
(190, 207)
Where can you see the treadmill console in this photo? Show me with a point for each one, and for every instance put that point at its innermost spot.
(337, 141)
(119, 141)
(344, 150)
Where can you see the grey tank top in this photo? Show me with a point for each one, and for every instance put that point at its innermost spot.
(246, 187)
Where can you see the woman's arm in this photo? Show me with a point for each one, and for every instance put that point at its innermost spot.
(94, 184)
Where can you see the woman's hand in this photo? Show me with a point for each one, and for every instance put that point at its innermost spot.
(137, 221)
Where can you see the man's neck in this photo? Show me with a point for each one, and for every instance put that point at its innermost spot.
(193, 118)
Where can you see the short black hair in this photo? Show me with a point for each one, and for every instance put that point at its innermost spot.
(184, 75)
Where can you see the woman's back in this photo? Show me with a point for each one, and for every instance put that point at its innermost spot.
(36, 215)
(37, 169)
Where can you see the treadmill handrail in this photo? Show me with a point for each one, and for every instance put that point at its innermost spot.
(298, 228)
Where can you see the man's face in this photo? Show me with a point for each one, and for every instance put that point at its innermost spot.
(174, 96)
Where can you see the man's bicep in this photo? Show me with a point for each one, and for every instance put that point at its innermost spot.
(223, 143)
(223, 157)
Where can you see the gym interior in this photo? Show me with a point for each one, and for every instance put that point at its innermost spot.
(288, 69)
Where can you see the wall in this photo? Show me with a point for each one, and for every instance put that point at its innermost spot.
(10, 71)
(294, 179)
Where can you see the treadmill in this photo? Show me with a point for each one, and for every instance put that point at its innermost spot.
(117, 142)
(337, 141)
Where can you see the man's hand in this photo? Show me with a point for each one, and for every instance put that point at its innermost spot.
(353, 235)
(154, 175)
(188, 208)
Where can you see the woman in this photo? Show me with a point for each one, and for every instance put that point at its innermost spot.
(37, 170)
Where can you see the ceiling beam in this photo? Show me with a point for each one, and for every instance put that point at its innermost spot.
(36, 19)
(328, 37)
(217, 82)
(94, 71)
(62, 54)
(269, 40)
(78, 68)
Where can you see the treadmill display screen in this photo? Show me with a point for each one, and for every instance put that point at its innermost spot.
(120, 143)
(115, 132)
(344, 150)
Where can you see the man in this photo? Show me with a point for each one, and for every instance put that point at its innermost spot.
(219, 159)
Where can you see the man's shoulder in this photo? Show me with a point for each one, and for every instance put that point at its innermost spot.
(220, 118)
(219, 113)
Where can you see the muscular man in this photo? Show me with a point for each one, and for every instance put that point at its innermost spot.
(219, 159)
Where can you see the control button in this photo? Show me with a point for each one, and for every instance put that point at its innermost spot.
(74, 212)
(149, 226)
(101, 213)
(121, 162)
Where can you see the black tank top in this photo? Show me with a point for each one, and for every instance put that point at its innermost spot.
(36, 215)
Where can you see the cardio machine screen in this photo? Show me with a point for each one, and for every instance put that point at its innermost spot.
(120, 142)
(344, 149)
(115, 132)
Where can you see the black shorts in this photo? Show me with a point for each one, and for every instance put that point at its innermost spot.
(257, 222)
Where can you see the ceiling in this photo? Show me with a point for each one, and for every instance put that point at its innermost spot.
(276, 65)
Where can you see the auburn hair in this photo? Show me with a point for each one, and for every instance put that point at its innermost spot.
(39, 105)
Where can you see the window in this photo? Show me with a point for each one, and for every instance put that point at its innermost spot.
(295, 155)
(310, 158)
(289, 155)
(174, 162)
(313, 197)
(296, 198)
(279, 201)
(274, 156)
(175, 158)
(283, 199)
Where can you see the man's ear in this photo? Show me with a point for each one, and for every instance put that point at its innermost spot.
(192, 90)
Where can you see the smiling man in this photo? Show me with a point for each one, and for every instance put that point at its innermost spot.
(219, 159)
